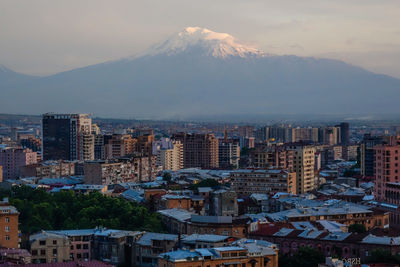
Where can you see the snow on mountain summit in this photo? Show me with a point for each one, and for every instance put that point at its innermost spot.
(205, 41)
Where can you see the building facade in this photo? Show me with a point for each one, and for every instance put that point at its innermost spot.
(199, 150)
(387, 169)
(67, 137)
(12, 159)
(303, 166)
(247, 182)
(9, 233)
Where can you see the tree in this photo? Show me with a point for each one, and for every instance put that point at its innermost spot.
(205, 183)
(304, 257)
(67, 210)
(167, 177)
(357, 228)
(383, 256)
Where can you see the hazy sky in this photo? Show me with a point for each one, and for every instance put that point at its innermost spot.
(49, 36)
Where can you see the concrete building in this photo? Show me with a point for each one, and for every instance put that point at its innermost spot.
(9, 233)
(12, 159)
(133, 169)
(367, 154)
(248, 182)
(344, 133)
(387, 170)
(304, 134)
(271, 156)
(241, 253)
(119, 145)
(229, 153)
(303, 166)
(151, 245)
(67, 137)
(49, 169)
(49, 247)
(329, 135)
(199, 150)
(224, 203)
(169, 154)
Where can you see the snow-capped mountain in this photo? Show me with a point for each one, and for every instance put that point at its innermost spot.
(204, 41)
(201, 72)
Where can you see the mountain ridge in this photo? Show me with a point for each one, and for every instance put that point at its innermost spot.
(196, 82)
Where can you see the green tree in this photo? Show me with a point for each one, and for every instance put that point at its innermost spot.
(383, 256)
(205, 183)
(304, 257)
(67, 210)
(167, 177)
(357, 228)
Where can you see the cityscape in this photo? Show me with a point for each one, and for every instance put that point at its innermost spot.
(199, 133)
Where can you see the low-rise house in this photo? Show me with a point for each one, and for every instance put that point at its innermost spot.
(195, 241)
(342, 244)
(15, 256)
(80, 248)
(48, 247)
(150, 245)
(246, 253)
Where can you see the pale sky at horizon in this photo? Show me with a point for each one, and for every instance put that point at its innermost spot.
(45, 36)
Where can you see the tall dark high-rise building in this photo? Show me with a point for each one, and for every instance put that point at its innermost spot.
(67, 137)
(345, 133)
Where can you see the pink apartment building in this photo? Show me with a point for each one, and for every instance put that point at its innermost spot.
(387, 173)
(12, 159)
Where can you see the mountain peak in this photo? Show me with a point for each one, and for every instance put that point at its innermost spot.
(206, 42)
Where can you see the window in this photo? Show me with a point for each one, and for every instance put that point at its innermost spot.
(78, 246)
(85, 246)
(54, 242)
(42, 252)
(7, 237)
(7, 219)
(34, 252)
(42, 242)
(54, 251)
(7, 228)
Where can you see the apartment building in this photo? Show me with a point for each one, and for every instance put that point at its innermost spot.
(267, 156)
(49, 169)
(199, 150)
(248, 182)
(49, 248)
(303, 166)
(387, 170)
(169, 154)
(136, 168)
(67, 137)
(229, 153)
(12, 159)
(9, 233)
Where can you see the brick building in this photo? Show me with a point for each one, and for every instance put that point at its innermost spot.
(9, 233)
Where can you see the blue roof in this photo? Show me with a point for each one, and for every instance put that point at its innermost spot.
(179, 255)
(229, 248)
(204, 252)
(132, 195)
(146, 239)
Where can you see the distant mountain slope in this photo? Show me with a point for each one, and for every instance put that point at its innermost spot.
(199, 72)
